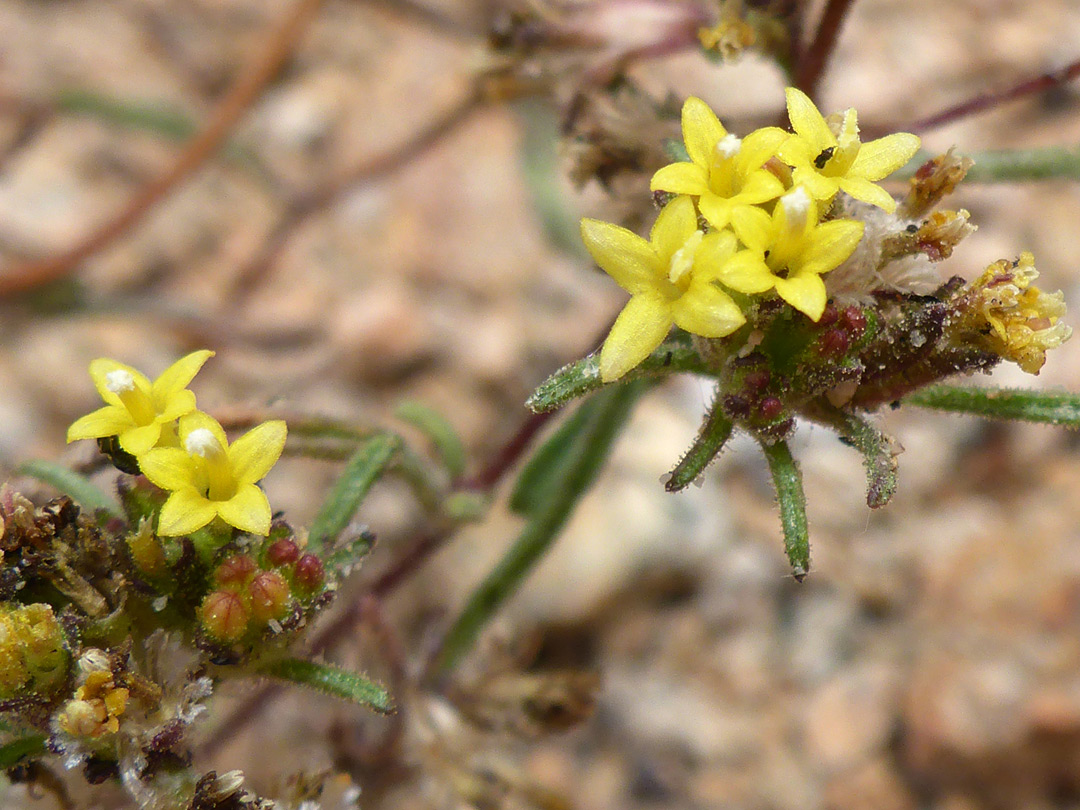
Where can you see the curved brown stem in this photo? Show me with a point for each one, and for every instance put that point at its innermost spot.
(244, 91)
(812, 60)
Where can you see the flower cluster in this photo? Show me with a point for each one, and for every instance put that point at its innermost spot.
(33, 658)
(746, 218)
(182, 450)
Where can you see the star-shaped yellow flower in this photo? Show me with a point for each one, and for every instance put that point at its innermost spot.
(827, 160)
(670, 279)
(725, 172)
(789, 251)
(139, 412)
(210, 478)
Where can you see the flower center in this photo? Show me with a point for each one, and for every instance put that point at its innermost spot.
(138, 404)
(204, 445)
(682, 261)
(793, 224)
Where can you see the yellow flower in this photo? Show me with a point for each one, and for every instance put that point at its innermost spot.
(789, 251)
(827, 159)
(96, 708)
(725, 171)
(139, 412)
(1011, 316)
(670, 279)
(210, 478)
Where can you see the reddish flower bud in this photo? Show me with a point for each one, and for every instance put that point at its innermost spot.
(269, 596)
(224, 616)
(770, 408)
(309, 573)
(758, 379)
(235, 570)
(829, 316)
(282, 552)
(855, 320)
(834, 343)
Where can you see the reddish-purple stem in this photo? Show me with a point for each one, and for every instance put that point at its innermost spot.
(812, 60)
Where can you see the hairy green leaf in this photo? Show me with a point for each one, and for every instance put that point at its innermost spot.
(77, 487)
(439, 432)
(331, 681)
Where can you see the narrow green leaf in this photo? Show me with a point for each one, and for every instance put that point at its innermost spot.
(583, 376)
(331, 681)
(347, 554)
(576, 476)
(542, 169)
(543, 470)
(439, 432)
(14, 752)
(1001, 403)
(675, 150)
(1013, 165)
(77, 487)
(789, 492)
(361, 472)
(714, 433)
(877, 448)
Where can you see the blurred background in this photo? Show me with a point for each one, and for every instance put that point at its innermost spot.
(370, 231)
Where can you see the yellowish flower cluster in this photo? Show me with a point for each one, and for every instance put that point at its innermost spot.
(764, 200)
(96, 708)
(183, 450)
(32, 654)
(1014, 318)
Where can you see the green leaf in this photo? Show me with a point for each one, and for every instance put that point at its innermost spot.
(789, 492)
(1013, 165)
(361, 472)
(575, 476)
(877, 448)
(1001, 403)
(675, 150)
(346, 555)
(542, 472)
(583, 376)
(714, 433)
(77, 487)
(331, 681)
(439, 432)
(14, 752)
(543, 173)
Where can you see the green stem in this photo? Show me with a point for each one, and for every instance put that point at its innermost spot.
(546, 521)
(789, 492)
(1001, 403)
(714, 433)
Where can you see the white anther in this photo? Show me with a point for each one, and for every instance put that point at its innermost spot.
(202, 442)
(119, 381)
(796, 203)
(729, 146)
(683, 258)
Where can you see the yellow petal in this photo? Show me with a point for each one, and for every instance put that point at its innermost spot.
(884, 156)
(676, 223)
(868, 192)
(795, 151)
(758, 147)
(681, 178)
(196, 420)
(176, 405)
(761, 186)
(247, 510)
(622, 254)
(702, 131)
(177, 376)
(253, 454)
(100, 369)
(112, 420)
(138, 440)
(641, 327)
(808, 122)
(746, 272)
(168, 468)
(704, 309)
(716, 210)
(753, 226)
(831, 243)
(819, 186)
(713, 254)
(184, 512)
(804, 292)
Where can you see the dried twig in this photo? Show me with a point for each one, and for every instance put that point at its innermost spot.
(244, 91)
(813, 59)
